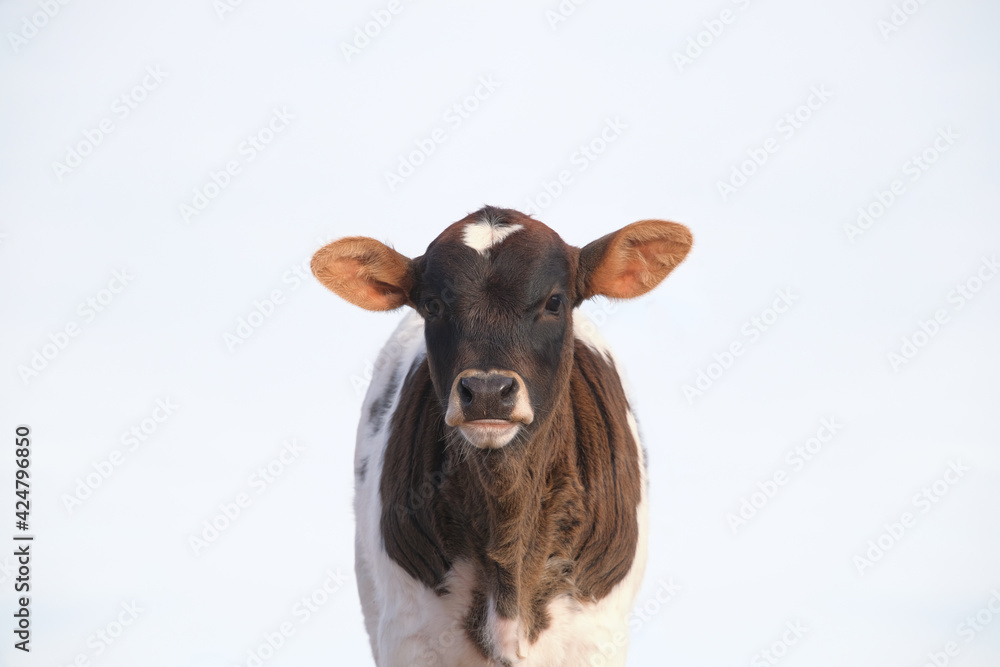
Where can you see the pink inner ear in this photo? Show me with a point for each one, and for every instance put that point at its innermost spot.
(384, 296)
(660, 254)
(626, 284)
(365, 289)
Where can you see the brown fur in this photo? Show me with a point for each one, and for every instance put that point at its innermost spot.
(553, 515)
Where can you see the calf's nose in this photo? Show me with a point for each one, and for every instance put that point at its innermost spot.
(487, 397)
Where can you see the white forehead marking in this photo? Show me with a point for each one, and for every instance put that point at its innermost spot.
(482, 235)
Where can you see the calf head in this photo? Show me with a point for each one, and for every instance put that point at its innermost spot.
(497, 291)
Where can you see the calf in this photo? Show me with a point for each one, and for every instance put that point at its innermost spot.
(500, 483)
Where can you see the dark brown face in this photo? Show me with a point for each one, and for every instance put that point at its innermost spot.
(496, 293)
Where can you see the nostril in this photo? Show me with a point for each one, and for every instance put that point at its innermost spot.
(464, 392)
(507, 388)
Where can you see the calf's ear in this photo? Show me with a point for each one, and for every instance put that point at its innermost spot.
(365, 272)
(632, 261)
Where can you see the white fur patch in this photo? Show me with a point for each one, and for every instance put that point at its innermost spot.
(585, 331)
(508, 634)
(481, 236)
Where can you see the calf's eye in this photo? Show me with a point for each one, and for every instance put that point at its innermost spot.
(433, 308)
(553, 304)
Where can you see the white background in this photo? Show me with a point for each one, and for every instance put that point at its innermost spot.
(298, 375)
